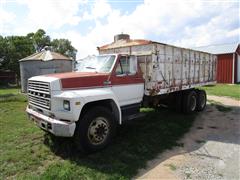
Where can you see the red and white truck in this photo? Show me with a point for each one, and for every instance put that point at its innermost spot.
(106, 90)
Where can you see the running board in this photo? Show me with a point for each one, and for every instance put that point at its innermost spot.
(134, 116)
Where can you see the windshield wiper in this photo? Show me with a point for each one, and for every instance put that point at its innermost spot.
(88, 67)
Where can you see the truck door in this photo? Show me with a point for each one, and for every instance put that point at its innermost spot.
(127, 81)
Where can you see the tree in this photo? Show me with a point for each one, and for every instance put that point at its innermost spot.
(16, 48)
(39, 39)
(63, 46)
(2, 51)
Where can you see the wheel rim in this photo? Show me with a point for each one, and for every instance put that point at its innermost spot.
(193, 103)
(98, 131)
(202, 100)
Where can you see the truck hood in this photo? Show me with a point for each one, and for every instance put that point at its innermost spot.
(74, 80)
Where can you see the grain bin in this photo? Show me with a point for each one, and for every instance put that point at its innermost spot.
(44, 62)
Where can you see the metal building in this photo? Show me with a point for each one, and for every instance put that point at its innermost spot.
(44, 62)
(228, 64)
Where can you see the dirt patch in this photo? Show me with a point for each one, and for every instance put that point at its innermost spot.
(211, 150)
(225, 100)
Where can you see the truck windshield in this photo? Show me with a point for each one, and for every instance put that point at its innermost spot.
(95, 64)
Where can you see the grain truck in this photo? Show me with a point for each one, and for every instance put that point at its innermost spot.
(107, 90)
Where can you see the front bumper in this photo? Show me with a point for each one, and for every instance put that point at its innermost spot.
(54, 126)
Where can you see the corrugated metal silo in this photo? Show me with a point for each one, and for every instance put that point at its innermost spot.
(44, 62)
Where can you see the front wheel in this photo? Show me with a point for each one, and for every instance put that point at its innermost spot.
(95, 130)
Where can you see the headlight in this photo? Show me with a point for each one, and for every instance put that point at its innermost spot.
(66, 105)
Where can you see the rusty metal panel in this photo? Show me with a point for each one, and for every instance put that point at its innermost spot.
(210, 65)
(197, 67)
(202, 67)
(224, 68)
(177, 67)
(186, 67)
(192, 67)
(142, 50)
(206, 68)
(123, 50)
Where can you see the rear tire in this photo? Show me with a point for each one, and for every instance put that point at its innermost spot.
(178, 102)
(201, 100)
(95, 130)
(189, 101)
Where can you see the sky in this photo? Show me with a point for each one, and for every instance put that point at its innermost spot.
(89, 23)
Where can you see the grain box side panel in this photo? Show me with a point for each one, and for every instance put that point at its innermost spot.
(177, 67)
(186, 67)
(145, 63)
(206, 68)
(161, 58)
(169, 66)
(210, 75)
(192, 67)
(197, 67)
(142, 50)
(202, 67)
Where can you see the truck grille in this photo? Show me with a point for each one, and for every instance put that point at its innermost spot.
(39, 94)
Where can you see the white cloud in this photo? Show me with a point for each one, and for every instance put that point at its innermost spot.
(234, 33)
(53, 13)
(84, 44)
(183, 23)
(99, 9)
(6, 19)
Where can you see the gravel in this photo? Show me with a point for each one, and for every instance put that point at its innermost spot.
(211, 150)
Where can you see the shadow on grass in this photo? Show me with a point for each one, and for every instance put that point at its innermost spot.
(136, 143)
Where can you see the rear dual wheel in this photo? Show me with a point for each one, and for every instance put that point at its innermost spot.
(193, 100)
(189, 102)
(201, 100)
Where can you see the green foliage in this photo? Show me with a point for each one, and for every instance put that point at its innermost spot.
(16, 48)
(39, 39)
(63, 46)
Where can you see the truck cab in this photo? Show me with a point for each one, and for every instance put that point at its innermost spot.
(90, 102)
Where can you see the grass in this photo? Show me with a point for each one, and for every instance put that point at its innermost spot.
(228, 90)
(26, 152)
(5, 90)
(11, 94)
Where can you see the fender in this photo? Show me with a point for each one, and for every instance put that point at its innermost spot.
(79, 98)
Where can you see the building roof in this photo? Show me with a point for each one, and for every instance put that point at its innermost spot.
(125, 43)
(219, 49)
(45, 55)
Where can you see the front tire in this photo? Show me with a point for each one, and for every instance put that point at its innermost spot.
(95, 130)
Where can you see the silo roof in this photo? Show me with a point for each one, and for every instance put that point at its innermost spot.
(45, 55)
